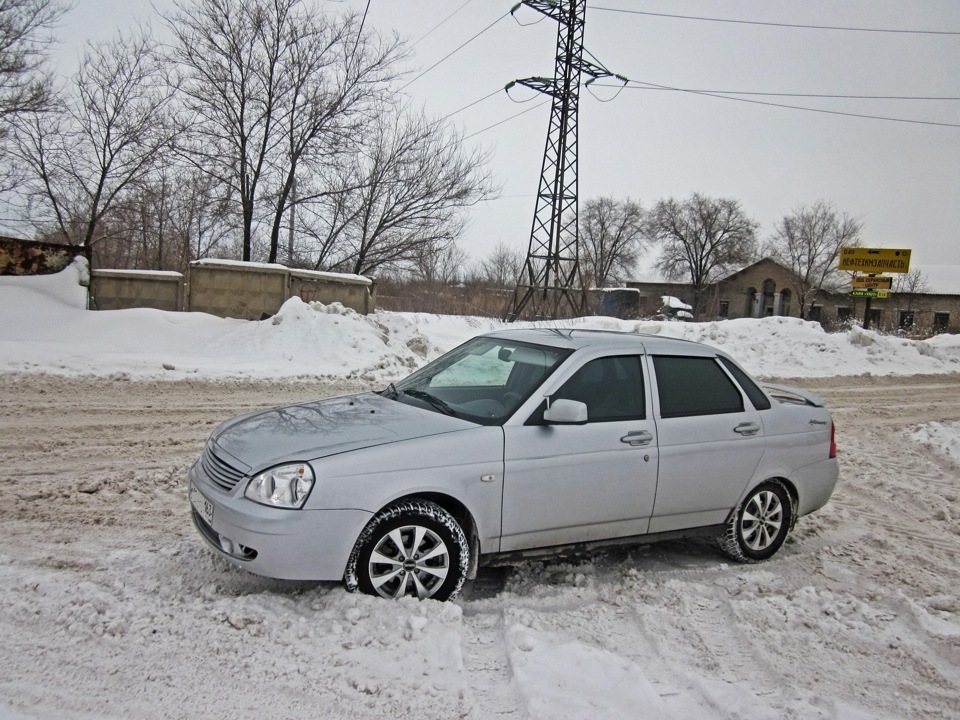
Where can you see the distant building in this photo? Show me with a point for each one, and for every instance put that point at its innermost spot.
(766, 288)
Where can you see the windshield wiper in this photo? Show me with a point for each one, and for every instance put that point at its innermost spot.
(390, 392)
(441, 405)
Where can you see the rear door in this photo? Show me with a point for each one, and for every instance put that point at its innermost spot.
(711, 441)
(577, 483)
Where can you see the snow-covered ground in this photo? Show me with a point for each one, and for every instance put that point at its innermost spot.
(115, 609)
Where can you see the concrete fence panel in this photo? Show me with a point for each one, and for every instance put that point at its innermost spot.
(247, 291)
(353, 291)
(121, 289)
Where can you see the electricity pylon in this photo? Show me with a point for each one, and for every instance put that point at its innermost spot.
(550, 285)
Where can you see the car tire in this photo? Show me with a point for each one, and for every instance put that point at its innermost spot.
(413, 547)
(759, 526)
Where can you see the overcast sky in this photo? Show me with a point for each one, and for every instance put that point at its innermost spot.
(901, 179)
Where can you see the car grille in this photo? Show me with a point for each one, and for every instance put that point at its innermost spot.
(219, 472)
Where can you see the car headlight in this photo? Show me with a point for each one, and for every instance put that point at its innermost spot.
(286, 486)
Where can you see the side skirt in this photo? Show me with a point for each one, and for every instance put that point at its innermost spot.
(512, 558)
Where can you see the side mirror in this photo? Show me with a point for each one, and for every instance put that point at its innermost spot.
(566, 412)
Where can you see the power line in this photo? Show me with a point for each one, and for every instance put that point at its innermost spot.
(363, 21)
(475, 102)
(828, 96)
(442, 22)
(505, 120)
(455, 50)
(721, 96)
(736, 95)
(777, 24)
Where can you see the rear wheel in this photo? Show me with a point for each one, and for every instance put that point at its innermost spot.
(760, 524)
(414, 547)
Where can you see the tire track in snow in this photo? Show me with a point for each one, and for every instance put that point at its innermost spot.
(487, 666)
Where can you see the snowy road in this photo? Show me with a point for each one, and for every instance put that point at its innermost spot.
(115, 609)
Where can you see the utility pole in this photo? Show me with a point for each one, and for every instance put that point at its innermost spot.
(550, 285)
(293, 219)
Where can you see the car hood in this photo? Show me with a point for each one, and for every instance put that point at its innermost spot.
(326, 427)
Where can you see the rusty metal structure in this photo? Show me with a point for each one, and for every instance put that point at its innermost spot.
(550, 285)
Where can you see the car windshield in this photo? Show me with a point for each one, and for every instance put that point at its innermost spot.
(484, 380)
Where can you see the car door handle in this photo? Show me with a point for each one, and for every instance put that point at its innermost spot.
(637, 437)
(747, 428)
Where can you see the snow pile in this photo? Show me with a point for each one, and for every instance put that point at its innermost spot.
(673, 307)
(943, 438)
(44, 328)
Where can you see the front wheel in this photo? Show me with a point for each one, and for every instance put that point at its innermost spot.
(760, 524)
(413, 547)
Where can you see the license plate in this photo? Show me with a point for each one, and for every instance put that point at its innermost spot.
(203, 506)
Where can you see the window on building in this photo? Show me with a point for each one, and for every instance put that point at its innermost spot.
(814, 313)
(906, 319)
(785, 297)
(752, 310)
(843, 314)
(941, 321)
(724, 309)
(875, 315)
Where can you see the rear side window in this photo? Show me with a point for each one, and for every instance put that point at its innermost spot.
(694, 386)
(757, 397)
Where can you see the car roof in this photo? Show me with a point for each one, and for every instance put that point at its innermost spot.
(577, 339)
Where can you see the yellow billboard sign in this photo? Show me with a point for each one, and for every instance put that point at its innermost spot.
(874, 260)
(872, 282)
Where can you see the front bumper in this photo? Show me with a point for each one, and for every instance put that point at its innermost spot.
(273, 542)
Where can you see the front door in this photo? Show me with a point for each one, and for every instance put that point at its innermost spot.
(578, 483)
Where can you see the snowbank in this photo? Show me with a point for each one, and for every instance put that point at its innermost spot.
(44, 328)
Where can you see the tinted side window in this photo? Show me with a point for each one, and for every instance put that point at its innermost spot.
(694, 386)
(611, 387)
(753, 391)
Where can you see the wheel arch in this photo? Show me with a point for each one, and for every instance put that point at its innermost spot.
(460, 512)
(788, 485)
(733, 541)
(794, 499)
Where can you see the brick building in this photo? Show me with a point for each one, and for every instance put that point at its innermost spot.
(767, 288)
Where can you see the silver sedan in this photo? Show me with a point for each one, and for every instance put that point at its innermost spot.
(516, 443)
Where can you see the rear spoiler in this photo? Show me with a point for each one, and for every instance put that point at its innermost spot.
(794, 395)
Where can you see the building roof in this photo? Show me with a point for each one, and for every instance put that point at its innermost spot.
(941, 279)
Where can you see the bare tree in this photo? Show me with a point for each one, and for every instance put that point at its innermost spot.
(909, 295)
(100, 140)
(165, 221)
(405, 192)
(25, 27)
(808, 241)
(440, 266)
(25, 84)
(701, 238)
(611, 233)
(502, 266)
(201, 216)
(274, 89)
(911, 283)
